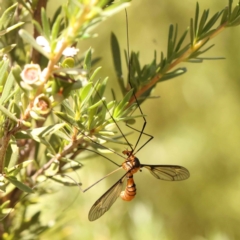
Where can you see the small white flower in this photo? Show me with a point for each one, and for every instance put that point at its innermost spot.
(68, 52)
(31, 74)
(42, 41)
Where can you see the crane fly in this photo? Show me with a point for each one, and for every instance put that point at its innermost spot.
(131, 165)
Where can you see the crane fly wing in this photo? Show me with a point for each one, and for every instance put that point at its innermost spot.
(104, 203)
(168, 172)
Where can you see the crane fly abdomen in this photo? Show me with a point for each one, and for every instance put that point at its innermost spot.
(130, 191)
(131, 165)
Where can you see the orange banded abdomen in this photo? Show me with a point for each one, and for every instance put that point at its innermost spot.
(130, 191)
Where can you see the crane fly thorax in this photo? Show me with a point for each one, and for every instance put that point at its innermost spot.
(132, 163)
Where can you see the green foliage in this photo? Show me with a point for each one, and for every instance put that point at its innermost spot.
(144, 78)
(58, 108)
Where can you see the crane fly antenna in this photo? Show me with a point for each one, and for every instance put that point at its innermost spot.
(140, 109)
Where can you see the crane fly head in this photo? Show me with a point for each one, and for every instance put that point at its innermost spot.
(128, 153)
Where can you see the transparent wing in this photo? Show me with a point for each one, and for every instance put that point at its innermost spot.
(104, 203)
(168, 172)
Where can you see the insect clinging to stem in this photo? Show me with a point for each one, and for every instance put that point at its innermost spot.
(132, 165)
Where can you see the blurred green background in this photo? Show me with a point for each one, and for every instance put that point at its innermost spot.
(195, 123)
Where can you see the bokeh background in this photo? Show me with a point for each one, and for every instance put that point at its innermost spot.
(195, 123)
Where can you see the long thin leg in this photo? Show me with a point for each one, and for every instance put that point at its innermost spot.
(105, 105)
(111, 150)
(84, 190)
(141, 133)
(90, 150)
(129, 81)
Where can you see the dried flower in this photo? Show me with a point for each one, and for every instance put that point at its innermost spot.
(42, 104)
